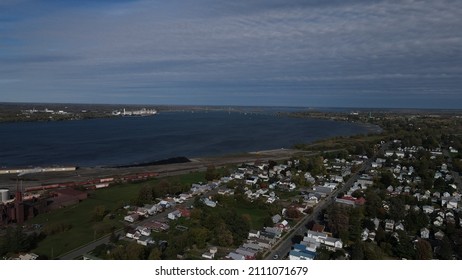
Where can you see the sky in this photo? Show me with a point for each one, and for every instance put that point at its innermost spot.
(310, 53)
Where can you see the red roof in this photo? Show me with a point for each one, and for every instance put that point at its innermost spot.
(185, 212)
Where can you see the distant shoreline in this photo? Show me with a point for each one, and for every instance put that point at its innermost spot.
(12, 112)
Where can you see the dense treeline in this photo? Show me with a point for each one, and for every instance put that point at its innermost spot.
(15, 241)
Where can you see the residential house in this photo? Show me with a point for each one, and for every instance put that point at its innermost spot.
(130, 233)
(159, 226)
(276, 218)
(253, 246)
(348, 201)
(301, 255)
(427, 209)
(185, 212)
(236, 256)
(376, 222)
(452, 203)
(143, 230)
(438, 221)
(365, 180)
(28, 256)
(208, 255)
(399, 226)
(439, 235)
(372, 235)
(248, 253)
(333, 243)
(264, 243)
(174, 215)
(365, 234)
(254, 234)
(389, 225)
(323, 191)
(132, 218)
(424, 233)
(276, 230)
(145, 240)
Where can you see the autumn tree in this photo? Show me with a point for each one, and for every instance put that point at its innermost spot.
(211, 173)
(155, 254)
(423, 250)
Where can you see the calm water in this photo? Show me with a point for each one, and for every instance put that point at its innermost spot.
(117, 141)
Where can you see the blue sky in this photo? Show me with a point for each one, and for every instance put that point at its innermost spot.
(345, 53)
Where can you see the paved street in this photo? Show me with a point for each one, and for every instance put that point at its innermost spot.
(283, 248)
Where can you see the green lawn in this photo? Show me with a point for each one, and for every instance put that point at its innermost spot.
(257, 216)
(80, 216)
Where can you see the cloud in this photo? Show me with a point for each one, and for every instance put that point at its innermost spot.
(310, 50)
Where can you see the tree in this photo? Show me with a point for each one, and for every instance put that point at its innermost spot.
(144, 196)
(200, 236)
(118, 253)
(211, 173)
(358, 252)
(355, 224)
(387, 179)
(114, 237)
(99, 212)
(135, 251)
(404, 248)
(316, 165)
(445, 251)
(397, 208)
(373, 204)
(155, 254)
(292, 213)
(224, 236)
(423, 250)
(196, 214)
(339, 219)
(268, 222)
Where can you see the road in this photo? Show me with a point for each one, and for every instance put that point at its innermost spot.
(284, 246)
(85, 174)
(78, 252)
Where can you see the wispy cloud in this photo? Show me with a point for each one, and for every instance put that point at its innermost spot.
(302, 51)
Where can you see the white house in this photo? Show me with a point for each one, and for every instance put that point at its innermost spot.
(132, 218)
(254, 234)
(452, 203)
(174, 215)
(399, 226)
(389, 225)
(209, 203)
(365, 234)
(145, 240)
(236, 256)
(153, 209)
(424, 233)
(427, 209)
(334, 243)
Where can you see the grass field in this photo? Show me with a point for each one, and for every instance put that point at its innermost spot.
(84, 228)
(257, 216)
